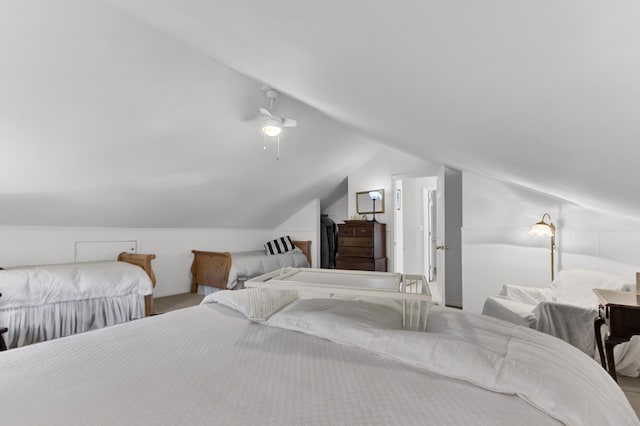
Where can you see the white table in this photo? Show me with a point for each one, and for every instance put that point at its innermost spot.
(412, 290)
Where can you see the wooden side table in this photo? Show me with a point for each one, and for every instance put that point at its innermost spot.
(620, 312)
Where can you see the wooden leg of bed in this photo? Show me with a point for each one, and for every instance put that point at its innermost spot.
(148, 305)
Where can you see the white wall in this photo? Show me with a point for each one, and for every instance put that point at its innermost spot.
(497, 248)
(304, 225)
(172, 247)
(376, 174)
(338, 211)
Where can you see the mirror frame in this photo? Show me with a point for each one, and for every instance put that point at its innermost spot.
(364, 203)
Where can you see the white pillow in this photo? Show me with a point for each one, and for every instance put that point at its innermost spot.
(237, 300)
(575, 286)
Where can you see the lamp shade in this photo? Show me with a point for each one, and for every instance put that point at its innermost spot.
(375, 195)
(541, 229)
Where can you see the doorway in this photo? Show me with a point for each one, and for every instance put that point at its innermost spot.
(424, 242)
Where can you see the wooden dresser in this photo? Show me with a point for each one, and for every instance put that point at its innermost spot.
(362, 245)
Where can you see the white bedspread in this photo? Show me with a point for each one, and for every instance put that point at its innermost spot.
(209, 365)
(250, 264)
(40, 285)
(542, 370)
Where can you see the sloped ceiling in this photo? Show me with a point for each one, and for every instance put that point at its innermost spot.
(106, 121)
(124, 114)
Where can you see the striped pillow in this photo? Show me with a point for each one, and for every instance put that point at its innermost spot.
(279, 245)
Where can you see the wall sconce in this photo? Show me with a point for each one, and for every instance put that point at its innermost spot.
(544, 229)
(375, 195)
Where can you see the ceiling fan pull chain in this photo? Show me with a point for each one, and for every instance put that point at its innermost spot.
(278, 157)
(264, 141)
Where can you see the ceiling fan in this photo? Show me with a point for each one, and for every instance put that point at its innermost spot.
(273, 124)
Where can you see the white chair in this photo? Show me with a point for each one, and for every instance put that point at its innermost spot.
(565, 309)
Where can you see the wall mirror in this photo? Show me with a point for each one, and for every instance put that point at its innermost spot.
(365, 202)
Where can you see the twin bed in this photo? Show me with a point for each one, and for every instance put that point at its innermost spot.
(316, 361)
(211, 271)
(46, 302)
(41, 303)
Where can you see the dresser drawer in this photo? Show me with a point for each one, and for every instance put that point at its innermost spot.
(355, 231)
(356, 251)
(355, 242)
(354, 264)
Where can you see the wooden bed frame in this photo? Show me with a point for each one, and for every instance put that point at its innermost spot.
(143, 261)
(211, 268)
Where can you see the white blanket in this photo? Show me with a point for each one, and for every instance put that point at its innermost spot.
(250, 264)
(544, 371)
(208, 365)
(543, 310)
(40, 285)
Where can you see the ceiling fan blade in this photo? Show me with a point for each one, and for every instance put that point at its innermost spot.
(289, 122)
(266, 112)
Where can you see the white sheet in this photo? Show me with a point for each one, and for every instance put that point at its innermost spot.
(209, 365)
(544, 371)
(39, 285)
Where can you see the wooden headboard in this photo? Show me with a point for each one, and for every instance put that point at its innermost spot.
(143, 261)
(305, 246)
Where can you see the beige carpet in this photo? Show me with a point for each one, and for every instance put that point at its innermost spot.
(178, 301)
(630, 386)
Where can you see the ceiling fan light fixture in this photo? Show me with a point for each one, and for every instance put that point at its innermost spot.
(271, 127)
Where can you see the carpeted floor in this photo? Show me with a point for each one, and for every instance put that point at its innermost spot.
(178, 301)
(630, 386)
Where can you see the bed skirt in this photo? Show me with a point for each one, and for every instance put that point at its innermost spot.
(34, 324)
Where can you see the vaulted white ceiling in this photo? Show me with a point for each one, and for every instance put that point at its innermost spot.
(124, 113)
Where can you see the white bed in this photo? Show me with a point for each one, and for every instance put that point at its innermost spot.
(50, 301)
(347, 364)
(212, 271)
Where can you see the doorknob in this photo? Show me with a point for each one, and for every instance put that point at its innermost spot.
(442, 247)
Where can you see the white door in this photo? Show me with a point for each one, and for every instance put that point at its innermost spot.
(448, 236)
(440, 246)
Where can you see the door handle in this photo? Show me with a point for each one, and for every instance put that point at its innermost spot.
(442, 247)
